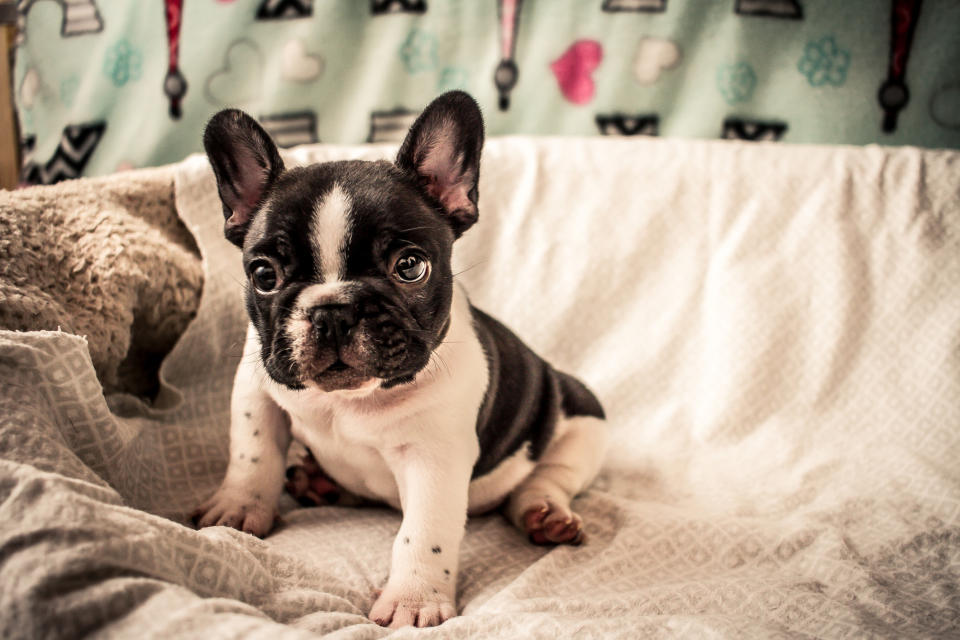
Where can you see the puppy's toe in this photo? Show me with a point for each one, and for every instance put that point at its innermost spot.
(231, 519)
(210, 517)
(533, 519)
(200, 511)
(382, 610)
(258, 522)
(567, 530)
(412, 606)
(429, 615)
(405, 615)
(549, 523)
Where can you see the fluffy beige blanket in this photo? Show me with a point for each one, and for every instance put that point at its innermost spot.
(104, 258)
(774, 331)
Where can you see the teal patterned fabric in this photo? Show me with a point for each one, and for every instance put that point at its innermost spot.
(103, 86)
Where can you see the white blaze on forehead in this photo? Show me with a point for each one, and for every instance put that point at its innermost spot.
(330, 232)
(325, 293)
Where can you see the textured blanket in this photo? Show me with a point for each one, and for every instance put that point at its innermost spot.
(774, 331)
(105, 258)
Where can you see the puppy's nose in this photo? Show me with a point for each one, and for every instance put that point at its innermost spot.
(334, 322)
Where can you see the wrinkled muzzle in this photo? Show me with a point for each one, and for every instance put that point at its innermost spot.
(344, 338)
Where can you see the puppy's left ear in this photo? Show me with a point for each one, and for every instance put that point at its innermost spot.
(442, 152)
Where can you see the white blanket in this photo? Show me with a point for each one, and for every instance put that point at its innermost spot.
(773, 330)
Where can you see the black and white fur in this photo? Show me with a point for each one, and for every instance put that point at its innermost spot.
(361, 345)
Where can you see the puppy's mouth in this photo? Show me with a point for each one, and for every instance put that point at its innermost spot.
(338, 366)
(338, 375)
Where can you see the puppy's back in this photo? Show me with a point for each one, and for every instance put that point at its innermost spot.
(525, 397)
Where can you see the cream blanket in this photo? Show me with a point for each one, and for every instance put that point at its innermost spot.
(774, 331)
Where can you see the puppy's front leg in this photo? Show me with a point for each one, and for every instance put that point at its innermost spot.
(433, 479)
(259, 438)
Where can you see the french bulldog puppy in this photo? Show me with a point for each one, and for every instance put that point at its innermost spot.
(363, 347)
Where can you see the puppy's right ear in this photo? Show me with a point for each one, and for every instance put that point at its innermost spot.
(246, 163)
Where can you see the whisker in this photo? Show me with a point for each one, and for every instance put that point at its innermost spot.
(415, 229)
(239, 281)
(473, 266)
(433, 368)
(442, 361)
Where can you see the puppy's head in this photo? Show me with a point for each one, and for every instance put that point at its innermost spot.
(348, 263)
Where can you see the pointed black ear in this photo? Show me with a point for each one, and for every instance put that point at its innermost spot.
(442, 152)
(246, 163)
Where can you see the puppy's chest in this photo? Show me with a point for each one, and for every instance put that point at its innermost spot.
(353, 464)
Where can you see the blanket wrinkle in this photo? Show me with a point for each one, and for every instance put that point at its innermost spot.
(773, 334)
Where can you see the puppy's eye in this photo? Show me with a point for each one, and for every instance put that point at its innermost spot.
(264, 276)
(411, 267)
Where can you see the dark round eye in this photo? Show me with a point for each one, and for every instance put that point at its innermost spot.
(263, 275)
(410, 267)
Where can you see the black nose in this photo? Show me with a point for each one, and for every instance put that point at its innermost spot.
(334, 322)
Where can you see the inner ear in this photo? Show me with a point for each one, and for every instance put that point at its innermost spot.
(442, 152)
(447, 178)
(245, 162)
(253, 178)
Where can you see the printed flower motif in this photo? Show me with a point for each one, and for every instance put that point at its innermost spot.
(824, 62)
(123, 63)
(736, 82)
(419, 52)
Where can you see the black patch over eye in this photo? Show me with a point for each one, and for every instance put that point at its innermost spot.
(264, 276)
(411, 267)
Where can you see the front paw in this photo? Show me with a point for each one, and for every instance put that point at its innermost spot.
(418, 605)
(237, 508)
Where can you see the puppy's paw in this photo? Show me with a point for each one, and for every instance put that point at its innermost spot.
(236, 508)
(412, 605)
(550, 523)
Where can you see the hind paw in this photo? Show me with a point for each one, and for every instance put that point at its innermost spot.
(548, 523)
